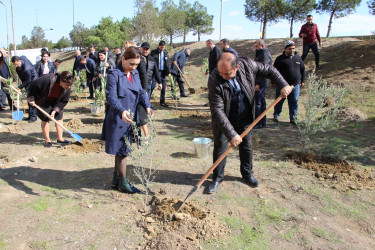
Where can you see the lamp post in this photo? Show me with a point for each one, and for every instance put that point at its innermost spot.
(221, 15)
(14, 36)
(6, 18)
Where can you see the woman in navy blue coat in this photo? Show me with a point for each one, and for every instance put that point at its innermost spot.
(124, 92)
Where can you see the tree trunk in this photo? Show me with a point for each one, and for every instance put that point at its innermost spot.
(199, 36)
(184, 37)
(264, 25)
(330, 22)
(170, 40)
(291, 27)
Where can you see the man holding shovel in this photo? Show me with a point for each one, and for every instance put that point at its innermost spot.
(179, 60)
(231, 96)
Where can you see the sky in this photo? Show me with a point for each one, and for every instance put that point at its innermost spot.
(58, 15)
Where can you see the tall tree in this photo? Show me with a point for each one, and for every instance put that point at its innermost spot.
(199, 21)
(371, 5)
(146, 21)
(337, 9)
(110, 33)
(127, 27)
(297, 10)
(25, 43)
(185, 7)
(37, 39)
(264, 11)
(64, 42)
(173, 19)
(78, 34)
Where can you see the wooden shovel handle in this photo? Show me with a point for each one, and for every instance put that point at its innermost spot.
(41, 110)
(182, 74)
(217, 162)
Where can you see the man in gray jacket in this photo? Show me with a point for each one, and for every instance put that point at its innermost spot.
(231, 90)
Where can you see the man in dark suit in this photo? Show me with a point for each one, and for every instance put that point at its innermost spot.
(76, 64)
(213, 58)
(26, 72)
(89, 65)
(93, 54)
(162, 61)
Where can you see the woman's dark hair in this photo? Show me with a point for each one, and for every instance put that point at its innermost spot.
(131, 53)
(102, 52)
(16, 58)
(65, 77)
(44, 53)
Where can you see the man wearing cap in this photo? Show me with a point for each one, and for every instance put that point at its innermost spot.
(291, 67)
(179, 59)
(162, 61)
(310, 34)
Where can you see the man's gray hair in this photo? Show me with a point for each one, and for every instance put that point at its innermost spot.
(261, 42)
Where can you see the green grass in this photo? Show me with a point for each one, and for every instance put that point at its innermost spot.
(35, 244)
(3, 244)
(361, 98)
(289, 235)
(324, 234)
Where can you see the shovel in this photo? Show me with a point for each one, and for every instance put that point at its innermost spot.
(191, 90)
(18, 115)
(217, 162)
(75, 136)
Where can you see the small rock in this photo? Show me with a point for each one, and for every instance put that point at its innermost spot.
(347, 229)
(314, 218)
(179, 216)
(15, 173)
(321, 179)
(329, 176)
(149, 220)
(89, 205)
(317, 174)
(192, 237)
(33, 159)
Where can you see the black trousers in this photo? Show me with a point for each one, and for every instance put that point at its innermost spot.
(260, 104)
(178, 79)
(315, 50)
(245, 150)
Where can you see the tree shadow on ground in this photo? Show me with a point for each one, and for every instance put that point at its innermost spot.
(98, 178)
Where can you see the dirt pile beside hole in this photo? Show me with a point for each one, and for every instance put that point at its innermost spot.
(74, 124)
(352, 114)
(87, 146)
(191, 113)
(344, 175)
(166, 229)
(4, 161)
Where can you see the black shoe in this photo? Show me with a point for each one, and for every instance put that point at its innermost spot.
(184, 95)
(175, 98)
(251, 181)
(207, 104)
(275, 119)
(63, 143)
(212, 188)
(115, 180)
(27, 119)
(48, 145)
(294, 123)
(90, 97)
(164, 105)
(126, 187)
(32, 120)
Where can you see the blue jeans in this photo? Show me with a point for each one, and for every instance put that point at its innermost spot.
(260, 104)
(315, 50)
(292, 102)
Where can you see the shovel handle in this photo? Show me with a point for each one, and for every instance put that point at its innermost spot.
(41, 110)
(217, 162)
(182, 74)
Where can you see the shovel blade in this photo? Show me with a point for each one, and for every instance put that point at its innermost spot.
(76, 137)
(18, 115)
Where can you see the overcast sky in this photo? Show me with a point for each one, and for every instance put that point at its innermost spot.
(58, 15)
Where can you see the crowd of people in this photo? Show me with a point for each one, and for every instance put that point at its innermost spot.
(236, 92)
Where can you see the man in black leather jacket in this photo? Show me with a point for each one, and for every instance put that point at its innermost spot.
(231, 89)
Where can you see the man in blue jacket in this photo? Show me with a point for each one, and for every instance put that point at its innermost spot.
(26, 72)
(89, 65)
(180, 59)
(291, 67)
(225, 46)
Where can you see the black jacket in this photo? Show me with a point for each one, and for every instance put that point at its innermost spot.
(26, 73)
(94, 56)
(76, 66)
(291, 68)
(213, 58)
(149, 70)
(41, 88)
(156, 54)
(263, 56)
(219, 92)
(39, 67)
(89, 67)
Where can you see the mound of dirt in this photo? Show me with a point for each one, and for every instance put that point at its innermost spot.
(166, 229)
(344, 175)
(74, 124)
(87, 146)
(352, 114)
(4, 161)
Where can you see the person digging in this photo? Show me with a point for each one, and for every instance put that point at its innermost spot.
(51, 92)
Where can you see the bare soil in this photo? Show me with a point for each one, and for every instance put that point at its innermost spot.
(61, 197)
